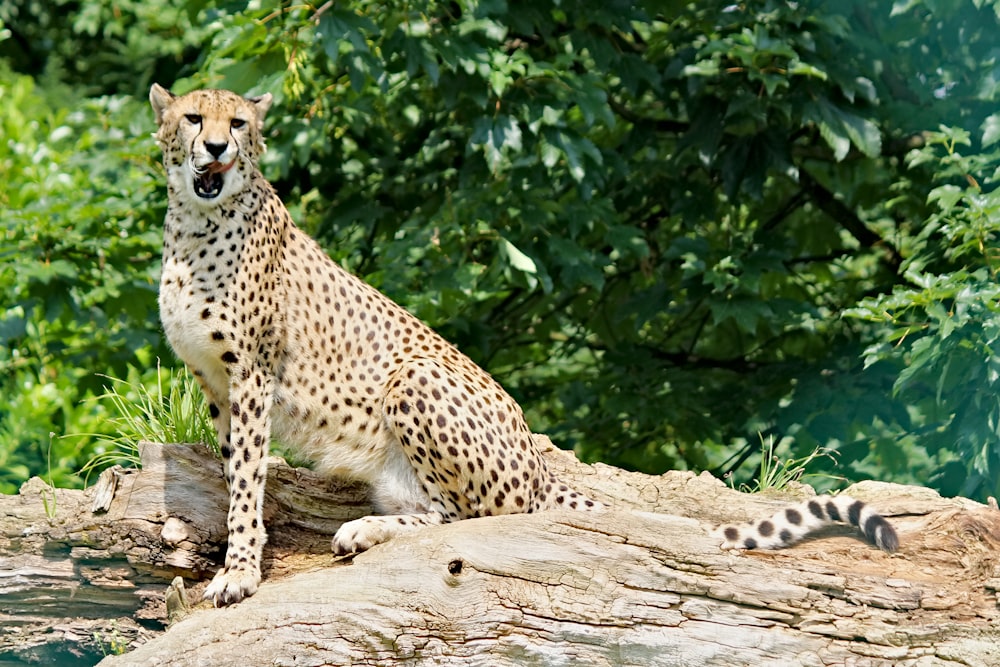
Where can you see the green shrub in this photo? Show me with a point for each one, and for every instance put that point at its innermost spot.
(79, 253)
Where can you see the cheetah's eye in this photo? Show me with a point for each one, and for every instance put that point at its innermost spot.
(193, 118)
(237, 123)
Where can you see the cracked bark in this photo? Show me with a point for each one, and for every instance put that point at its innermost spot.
(642, 584)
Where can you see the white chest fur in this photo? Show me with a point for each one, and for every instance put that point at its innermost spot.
(196, 278)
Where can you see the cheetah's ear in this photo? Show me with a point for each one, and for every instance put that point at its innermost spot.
(160, 98)
(262, 103)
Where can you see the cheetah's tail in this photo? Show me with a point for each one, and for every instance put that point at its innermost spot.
(794, 523)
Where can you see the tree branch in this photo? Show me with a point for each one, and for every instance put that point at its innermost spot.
(846, 218)
(657, 124)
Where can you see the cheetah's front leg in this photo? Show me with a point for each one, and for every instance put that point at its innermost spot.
(246, 472)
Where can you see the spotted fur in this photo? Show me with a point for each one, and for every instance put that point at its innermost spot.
(793, 523)
(286, 343)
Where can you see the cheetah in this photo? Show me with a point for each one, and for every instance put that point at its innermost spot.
(284, 342)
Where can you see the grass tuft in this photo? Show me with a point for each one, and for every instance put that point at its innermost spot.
(170, 409)
(776, 474)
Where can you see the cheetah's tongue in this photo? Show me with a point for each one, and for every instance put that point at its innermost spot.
(219, 168)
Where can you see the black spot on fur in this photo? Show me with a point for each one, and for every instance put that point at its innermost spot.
(878, 530)
(854, 513)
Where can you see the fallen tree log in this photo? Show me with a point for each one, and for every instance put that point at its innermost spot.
(88, 572)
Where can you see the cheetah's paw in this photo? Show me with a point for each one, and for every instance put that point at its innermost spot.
(364, 533)
(360, 535)
(231, 585)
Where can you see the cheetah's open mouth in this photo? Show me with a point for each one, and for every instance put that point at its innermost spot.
(208, 180)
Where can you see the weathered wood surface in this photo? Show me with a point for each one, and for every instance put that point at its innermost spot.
(642, 584)
(76, 583)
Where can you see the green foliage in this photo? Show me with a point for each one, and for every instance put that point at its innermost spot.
(100, 46)
(625, 214)
(31, 441)
(942, 327)
(79, 248)
(648, 219)
(115, 644)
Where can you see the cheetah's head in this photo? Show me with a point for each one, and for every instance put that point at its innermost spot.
(211, 141)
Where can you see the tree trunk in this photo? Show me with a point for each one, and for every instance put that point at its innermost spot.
(641, 584)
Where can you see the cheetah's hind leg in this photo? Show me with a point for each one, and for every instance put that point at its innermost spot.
(398, 497)
(459, 449)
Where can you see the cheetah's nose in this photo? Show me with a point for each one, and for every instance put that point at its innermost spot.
(216, 150)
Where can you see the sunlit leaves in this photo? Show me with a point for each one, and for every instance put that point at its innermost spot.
(991, 130)
(840, 129)
(499, 138)
(517, 260)
(944, 324)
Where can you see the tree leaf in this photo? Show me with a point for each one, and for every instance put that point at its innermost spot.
(840, 128)
(991, 130)
(517, 259)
